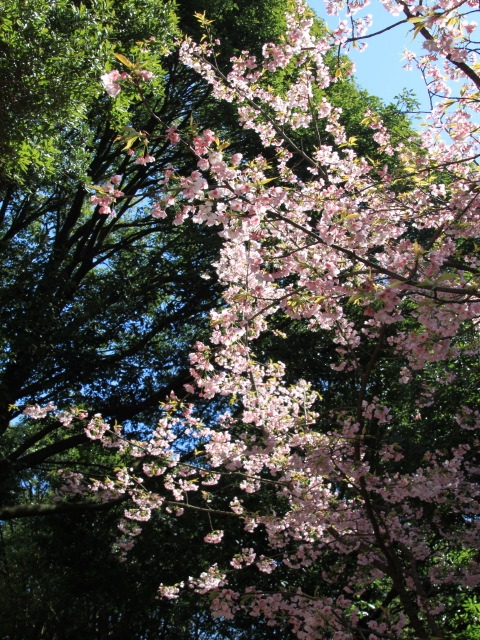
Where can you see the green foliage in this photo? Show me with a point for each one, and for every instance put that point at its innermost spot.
(240, 25)
(52, 57)
(469, 620)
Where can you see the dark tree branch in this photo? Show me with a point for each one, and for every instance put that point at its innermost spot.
(39, 456)
(33, 510)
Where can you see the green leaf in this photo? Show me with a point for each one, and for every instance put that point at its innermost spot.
(128, 63)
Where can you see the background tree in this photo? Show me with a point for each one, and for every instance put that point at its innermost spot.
(63, 310)
(96, 311)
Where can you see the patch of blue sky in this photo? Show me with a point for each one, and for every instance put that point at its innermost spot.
(380, 67)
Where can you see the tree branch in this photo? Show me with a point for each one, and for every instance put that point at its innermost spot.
(33, 510)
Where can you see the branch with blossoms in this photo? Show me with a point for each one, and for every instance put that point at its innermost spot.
(350, 529)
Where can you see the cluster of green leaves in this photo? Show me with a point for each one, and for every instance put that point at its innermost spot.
(467, 621)
(52, 57)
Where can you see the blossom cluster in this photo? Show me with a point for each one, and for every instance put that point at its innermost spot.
(381, 257)
(111, 81)
(107, 194)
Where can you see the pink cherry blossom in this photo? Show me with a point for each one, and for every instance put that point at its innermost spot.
(109, 82)
(145, 159)
(379, 258)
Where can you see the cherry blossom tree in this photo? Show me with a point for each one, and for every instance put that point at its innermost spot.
(358, 518)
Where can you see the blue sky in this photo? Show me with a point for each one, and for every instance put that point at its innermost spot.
(379, 68)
